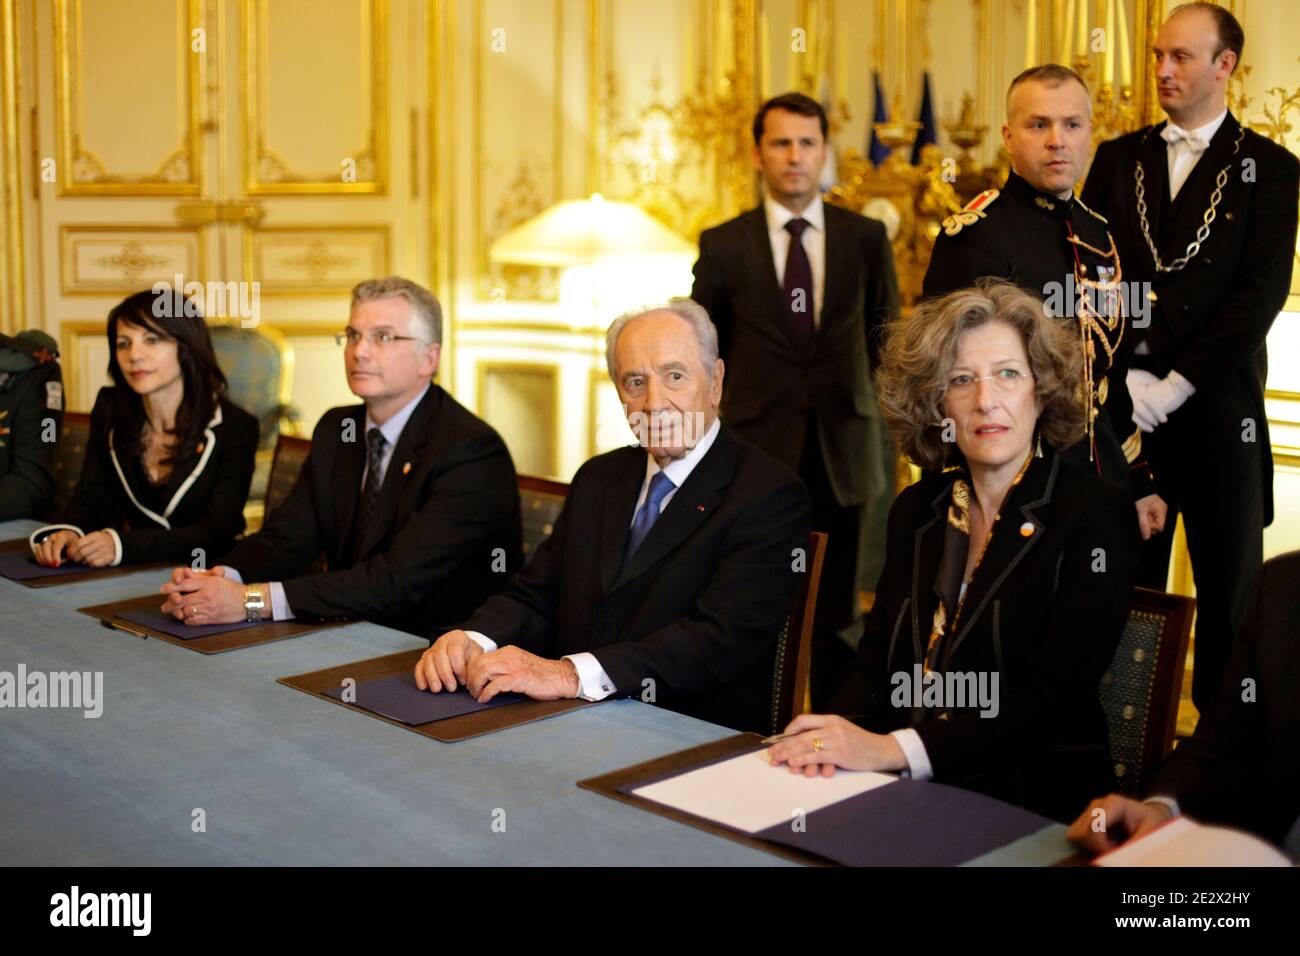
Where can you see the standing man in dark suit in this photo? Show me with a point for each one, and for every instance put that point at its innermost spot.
(798, 290)
(671, 568)
(31, 420)
(1239, 768)
(413, 500)
(1205, 211)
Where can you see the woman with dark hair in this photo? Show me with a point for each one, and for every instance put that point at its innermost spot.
(1008, 570)
(169, 458)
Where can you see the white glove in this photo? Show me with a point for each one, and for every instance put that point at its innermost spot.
(1139, 384)
(1167, 395)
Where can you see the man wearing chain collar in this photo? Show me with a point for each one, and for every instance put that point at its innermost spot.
(1205, 210)
(1034, 232)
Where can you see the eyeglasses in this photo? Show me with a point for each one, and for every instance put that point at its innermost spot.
(1004, 380)
(379, 339)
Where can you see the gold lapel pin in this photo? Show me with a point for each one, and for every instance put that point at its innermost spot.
(1026, 529)
(406, 469)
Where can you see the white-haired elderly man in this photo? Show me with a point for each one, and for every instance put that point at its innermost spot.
(412, 499)
(672, 566)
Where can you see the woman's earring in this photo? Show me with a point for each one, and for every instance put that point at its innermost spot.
(1038, 452)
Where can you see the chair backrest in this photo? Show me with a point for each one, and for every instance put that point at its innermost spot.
(1139, 691)
(290, 453)
(258, 364)
(68, 456)
(542, 500)
(794, 646)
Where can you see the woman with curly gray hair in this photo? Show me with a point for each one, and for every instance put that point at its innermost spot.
(1007, 576)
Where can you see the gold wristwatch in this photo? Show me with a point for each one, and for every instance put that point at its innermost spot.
(253, 603)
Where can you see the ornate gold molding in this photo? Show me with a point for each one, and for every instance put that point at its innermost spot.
(488, 366)
(132, 262)
(266, 171)
(319, 262)
(13, 309)
(82, 171)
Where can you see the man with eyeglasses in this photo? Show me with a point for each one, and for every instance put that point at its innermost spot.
(412, 499)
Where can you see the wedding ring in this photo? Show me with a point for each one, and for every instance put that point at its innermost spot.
(817, 744)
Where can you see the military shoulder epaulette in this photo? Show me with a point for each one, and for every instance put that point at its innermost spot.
(971, 213)
(1093, 213)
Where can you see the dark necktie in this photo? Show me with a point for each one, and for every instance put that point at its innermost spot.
(799, 287)
(375, 443)
(660, 486)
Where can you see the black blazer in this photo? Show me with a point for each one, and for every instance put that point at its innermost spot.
(1210, 319)
(1240, 767)
(697, 610)
(27, 400)
(444, 535)
(769, 389)
(1038, 612)
(202, 501)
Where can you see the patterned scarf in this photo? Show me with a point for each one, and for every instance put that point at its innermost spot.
(952, 564)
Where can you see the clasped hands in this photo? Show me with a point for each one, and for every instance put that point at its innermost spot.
(94, 550)
(455, 659)
(203, 597)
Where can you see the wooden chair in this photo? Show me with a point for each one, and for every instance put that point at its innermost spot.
(290, 453)
(542, 500)
(68, 456)
(794, 646)
(1139, 691)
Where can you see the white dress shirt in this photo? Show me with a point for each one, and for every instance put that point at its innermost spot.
(593, 682)
(1182, 157)
(392, 431)
(814, 244)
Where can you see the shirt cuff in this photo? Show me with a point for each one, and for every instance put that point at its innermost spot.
(482, 641)
(1169, 802)
(117, 546)
(230, 573)
(593, 682)
(918, 761)
(280, 610)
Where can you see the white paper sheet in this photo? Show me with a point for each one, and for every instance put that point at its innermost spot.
(748, 793)
(1183, 842)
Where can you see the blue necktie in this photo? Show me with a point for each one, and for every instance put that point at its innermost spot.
(660, 486)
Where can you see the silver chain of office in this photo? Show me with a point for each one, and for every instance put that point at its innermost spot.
(1203, 233)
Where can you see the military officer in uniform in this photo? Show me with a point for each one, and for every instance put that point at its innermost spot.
(1034, 232)
(1204, 210)
(31, 420)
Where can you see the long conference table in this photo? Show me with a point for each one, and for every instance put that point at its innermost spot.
(282, 778)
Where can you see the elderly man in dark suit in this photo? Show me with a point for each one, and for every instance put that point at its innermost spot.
(798, 290)
(1239, 768)
(412, 499)
(1204, 210)
(671, 568)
